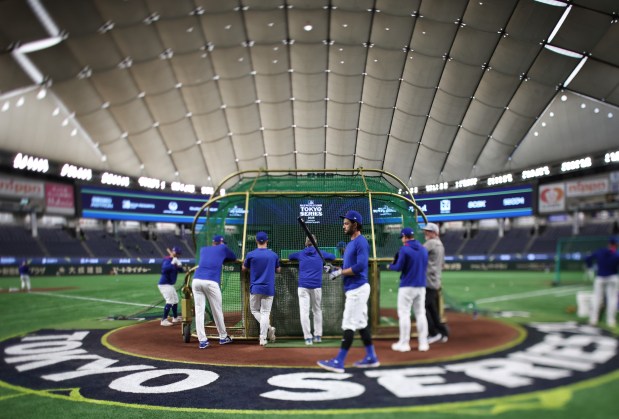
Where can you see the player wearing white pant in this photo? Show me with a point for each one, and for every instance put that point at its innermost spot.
(412, 261)
(262, 264)
(310, 289)
(354, 274)
(206, 285)
(170, 268)
(24, 276)
(606, 282)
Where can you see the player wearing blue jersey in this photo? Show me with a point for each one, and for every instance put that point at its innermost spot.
(357, 291)
(24, 276)
(262, 264)
(170, 268)
(606, 281)
(206, 285)
(412, 261)
(310, 289)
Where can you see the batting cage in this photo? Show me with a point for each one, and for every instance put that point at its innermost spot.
(273, 201)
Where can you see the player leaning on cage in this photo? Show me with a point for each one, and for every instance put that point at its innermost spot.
(357, 291)
(262, 264)
(310, 289)
(170, 268)
(412, 261)
(206, 285)
(606, 281)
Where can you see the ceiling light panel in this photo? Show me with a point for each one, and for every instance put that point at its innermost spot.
(391, 31)
(174, 34)
(350, 28)
(266, 27)
(214, 27)
(299, 17)
(226, 62)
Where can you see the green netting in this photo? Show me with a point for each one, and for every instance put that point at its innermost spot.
(569, 258)
(272, 203)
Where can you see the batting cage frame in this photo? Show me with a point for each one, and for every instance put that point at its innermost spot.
(272, 201)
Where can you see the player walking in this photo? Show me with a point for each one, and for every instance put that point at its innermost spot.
(412, 261)
(24, 276)
(170, 268)
(357, 290)
(206, 285)
(437, 331)
(262, 264)
(310, 289)
(606, 280)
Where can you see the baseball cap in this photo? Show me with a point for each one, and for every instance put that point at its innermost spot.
(431, 227)
(177, 250)
(353, 215)
(407, 231)
(218, 239)
(262, 237)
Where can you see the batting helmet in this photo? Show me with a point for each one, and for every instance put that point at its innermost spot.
(177, 250)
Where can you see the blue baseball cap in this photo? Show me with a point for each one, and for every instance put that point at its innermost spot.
(407, 231)
(353, 215)
(261, 237)
(218, 239)
(177, 250)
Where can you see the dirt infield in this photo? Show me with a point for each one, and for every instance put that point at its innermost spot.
(468, 337)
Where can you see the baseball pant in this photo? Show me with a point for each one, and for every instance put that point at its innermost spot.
(604, 285)
(25, 282)
(260, 306)
(204, 289)
(412, 297)
(310, 297)
(435, 325)
(169, 293)
(356, 308)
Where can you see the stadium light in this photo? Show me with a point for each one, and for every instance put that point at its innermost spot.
(498, 180)
(465, 183)
(612, 157)
(74, 172)
(33, 164)
(115, 180)
(568, 166)
(532, 173)
(437, 187)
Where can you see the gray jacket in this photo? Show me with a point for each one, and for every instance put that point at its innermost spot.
(436, 257)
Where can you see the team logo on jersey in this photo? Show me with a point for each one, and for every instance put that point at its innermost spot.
(66, 362)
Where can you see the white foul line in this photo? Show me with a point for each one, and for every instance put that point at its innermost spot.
(539, 293)
(100, 300)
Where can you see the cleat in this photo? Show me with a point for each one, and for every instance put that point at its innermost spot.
(367, 362)
(166, 322)
(225, 340)
(263, 342)
(177, 319)
(444, 339)
(271, 334)
(308, 341)
(399, 347)
(435, 338)
(317, 339)
(423, 347)
(332, 365)
(204, 344)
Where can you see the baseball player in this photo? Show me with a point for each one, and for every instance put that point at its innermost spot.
(606, 280)
(412, 261)
(437, 331)
(24, 276)
(206, 284)
(170, 268)
(357, 291)
(262, 264)
(310, 289)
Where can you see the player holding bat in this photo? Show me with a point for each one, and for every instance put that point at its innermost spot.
(357, 290)
(310, 288)
(170, 268)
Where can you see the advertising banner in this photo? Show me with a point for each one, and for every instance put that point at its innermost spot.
(551, 197)
(15, 187)
(59, 198)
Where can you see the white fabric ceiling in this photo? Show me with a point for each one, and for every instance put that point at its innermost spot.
(193, 90)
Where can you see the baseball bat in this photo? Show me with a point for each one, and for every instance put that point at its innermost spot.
(311, 238)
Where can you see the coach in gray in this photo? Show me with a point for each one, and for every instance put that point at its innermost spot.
(437, 331)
